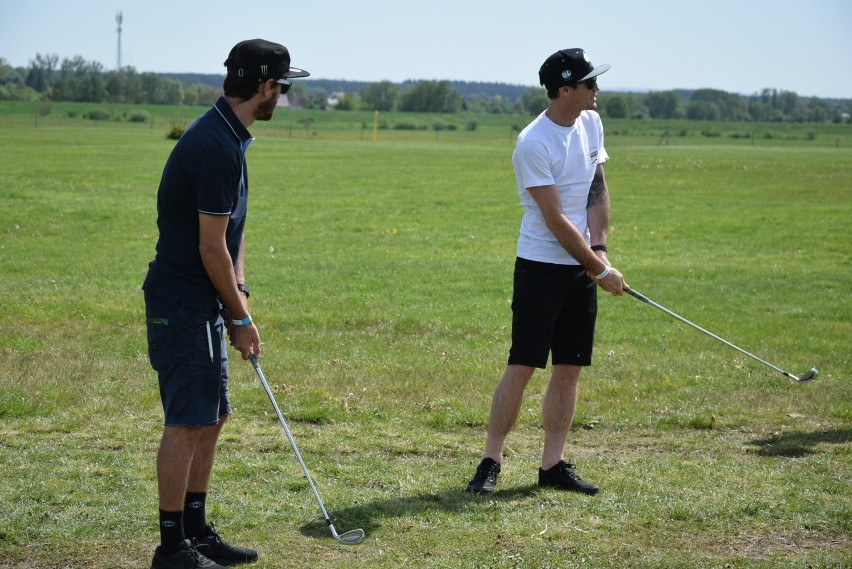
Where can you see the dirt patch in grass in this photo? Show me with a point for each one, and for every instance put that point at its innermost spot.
(763, 547)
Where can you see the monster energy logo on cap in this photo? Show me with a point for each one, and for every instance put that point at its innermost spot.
(261, 59)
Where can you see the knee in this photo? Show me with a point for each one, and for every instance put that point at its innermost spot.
(566, 373)
(519, 373)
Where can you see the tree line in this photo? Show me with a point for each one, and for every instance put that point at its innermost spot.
(49, 78)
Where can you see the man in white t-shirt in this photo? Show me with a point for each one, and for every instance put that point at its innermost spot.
(561, 260)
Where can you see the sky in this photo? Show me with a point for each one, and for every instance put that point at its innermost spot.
(739, 46)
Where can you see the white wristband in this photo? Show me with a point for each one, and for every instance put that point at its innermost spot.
(603, 274)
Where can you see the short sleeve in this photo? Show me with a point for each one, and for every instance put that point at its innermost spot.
(217, 180)
(532, 163)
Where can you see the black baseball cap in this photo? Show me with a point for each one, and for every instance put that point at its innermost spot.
(262, 59)
(566, 67)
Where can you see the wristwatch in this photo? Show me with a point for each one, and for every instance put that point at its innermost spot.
(243, 288)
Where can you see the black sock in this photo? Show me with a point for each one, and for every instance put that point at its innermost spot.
(171, 531)
(194, 518)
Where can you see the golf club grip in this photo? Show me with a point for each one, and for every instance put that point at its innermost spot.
(635, 294)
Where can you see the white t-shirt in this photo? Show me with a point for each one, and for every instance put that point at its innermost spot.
(549, 154)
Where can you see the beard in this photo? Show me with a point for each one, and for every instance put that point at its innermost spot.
(265, 110)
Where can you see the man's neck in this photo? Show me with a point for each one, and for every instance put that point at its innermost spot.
(243, 109)
(560, 114)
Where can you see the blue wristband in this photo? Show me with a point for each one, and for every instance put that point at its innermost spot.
(243, 322)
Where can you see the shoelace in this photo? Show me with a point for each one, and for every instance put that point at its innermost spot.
(213, 533)
(568, 469)
(193, 550)
(489, 470)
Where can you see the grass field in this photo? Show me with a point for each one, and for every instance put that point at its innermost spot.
(381, 279)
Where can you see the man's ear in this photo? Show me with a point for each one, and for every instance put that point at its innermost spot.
(266, 87)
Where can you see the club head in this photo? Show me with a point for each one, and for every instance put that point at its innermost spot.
(809, 375)
(350, 537)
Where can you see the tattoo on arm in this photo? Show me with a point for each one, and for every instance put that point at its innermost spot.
(598, 193)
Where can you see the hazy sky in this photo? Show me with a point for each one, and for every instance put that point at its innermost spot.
(740, 46)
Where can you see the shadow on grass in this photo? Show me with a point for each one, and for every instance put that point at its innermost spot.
(368, 516)
(797, 444)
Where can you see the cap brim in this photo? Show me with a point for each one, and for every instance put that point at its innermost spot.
(596, 71)
(296, 72)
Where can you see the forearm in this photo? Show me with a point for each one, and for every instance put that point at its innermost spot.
(598, 224)
(598, 208)
(239, 267)
(220, 269)
(575, 244)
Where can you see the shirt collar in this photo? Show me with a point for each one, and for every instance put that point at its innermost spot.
(227, 113)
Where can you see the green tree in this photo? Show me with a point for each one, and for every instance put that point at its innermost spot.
(617, 106)
(380, 96)
(115, 87)
(781, 103)
(41, 72)
(702, 110)
(431, 97)
(348, 102)
(758, 110)
(662, 104)
(79, 67)
(172, 92)
(93, 89)
(534, 100)
(8, 73)
(65, 90)
(819, 110)
(729, 106)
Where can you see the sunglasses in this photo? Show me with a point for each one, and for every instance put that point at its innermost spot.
(590, 83)
(285, 85)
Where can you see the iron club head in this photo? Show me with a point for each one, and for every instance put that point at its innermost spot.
(809, 375)
(350, 537)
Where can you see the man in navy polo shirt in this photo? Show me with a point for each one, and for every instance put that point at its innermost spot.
(195, 290)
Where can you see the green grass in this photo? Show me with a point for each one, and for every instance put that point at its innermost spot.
(381, 277)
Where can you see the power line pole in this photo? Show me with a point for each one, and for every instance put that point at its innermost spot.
(118, 19)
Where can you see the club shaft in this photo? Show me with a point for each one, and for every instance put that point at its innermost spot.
(289, 436)
(647, 300)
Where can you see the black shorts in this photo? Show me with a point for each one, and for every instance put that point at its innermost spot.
(193, 385)
(554, 308)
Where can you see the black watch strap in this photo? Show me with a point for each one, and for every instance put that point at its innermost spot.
(244, 289)
(599, 248)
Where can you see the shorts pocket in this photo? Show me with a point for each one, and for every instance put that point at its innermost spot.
(159, 336)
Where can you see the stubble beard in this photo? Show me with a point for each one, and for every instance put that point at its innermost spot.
(266, 109)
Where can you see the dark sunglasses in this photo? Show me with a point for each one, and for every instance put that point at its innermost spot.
(590, 83)
(285, 85)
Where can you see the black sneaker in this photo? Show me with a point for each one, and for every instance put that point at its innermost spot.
(222, 552)
(563, 476)
(485, 479)
(186, 557)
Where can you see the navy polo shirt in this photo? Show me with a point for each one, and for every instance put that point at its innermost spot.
(205, 173)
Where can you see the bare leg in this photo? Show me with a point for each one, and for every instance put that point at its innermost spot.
(185, 457)
(202, 462)
(560, 401)
(505, 406)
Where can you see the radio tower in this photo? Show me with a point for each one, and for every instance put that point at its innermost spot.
(118, 19)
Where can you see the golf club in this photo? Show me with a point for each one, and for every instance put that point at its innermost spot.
(350, 537)
(809, 375)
